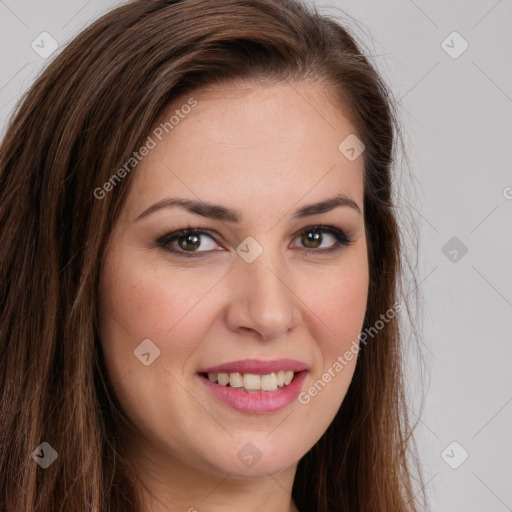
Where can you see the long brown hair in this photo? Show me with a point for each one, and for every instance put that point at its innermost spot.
(82, 119)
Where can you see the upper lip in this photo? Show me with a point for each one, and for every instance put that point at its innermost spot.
(257, 366)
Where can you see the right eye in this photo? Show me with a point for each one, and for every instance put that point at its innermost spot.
(179, 242)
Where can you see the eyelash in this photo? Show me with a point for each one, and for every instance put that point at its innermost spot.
(342, 240)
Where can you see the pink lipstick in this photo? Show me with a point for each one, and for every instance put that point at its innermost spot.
(255, 386)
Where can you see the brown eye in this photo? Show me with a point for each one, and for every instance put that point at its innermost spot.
(187, 242)
(312, 238)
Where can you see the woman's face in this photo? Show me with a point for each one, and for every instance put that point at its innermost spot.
(255, 296)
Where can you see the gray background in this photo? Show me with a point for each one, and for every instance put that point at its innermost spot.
(456, 114)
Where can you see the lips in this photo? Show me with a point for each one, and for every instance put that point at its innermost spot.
(265, 393)
(257, 366)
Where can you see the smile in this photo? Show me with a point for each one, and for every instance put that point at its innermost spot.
(254, 386)
(250, 382)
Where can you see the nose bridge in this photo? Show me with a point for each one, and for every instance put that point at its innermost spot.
(263, 300)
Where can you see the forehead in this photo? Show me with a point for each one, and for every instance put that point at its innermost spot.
(252, 146)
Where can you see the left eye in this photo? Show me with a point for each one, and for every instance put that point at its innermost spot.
(313, 236)
(191, 238)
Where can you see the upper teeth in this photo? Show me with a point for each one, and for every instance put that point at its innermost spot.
(253, 382)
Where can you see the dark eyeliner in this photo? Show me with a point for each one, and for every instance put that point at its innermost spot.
(342, 240)
(165, 241)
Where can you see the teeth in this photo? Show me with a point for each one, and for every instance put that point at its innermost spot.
(253, 382)
(269, 382)
(223, 379)
(236, 380)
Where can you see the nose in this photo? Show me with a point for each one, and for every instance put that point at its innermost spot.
(262, 298)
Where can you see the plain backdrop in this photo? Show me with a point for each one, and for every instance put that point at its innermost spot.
(448, 65)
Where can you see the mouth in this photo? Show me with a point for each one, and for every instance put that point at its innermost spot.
(254, 386)
(251, 382)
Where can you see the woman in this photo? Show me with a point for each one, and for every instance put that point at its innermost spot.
(200, 268)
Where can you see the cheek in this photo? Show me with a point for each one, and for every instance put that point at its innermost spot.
(339, 302)
(146, 302)
(137, 304)
(337, 308)
(140, 301)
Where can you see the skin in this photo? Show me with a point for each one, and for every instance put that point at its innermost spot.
(265, 150)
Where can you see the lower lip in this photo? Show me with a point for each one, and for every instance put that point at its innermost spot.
(261, 402)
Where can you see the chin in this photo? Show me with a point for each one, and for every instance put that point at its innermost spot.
(256, 456)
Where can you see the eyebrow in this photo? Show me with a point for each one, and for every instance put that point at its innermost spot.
(218, 212)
